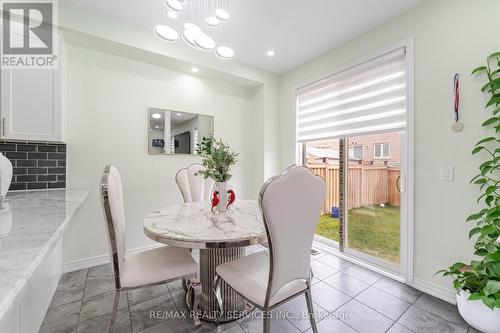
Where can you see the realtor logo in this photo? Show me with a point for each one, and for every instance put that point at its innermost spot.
(28, 34)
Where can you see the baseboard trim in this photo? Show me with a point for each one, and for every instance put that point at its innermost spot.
(102, 259)
(435, 290)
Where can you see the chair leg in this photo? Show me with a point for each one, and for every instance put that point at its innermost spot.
(310, 310)
(266, 321)
(115, 310)
(217, 292)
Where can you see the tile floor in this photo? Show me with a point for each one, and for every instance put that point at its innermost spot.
(347, 298)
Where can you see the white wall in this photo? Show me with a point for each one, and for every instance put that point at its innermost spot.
(451, 36)
(108, 100)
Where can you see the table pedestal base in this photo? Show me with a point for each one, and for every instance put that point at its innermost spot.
(235, 306)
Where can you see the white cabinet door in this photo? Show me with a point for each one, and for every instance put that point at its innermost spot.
(30, 105)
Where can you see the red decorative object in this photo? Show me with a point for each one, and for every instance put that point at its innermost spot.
(215, 200)
(232, 197)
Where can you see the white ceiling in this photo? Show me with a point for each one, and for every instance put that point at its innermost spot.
(297, 30)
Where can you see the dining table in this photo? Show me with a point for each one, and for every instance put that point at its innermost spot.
(220, 237)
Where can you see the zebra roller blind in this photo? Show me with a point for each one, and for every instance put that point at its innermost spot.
(370, 97)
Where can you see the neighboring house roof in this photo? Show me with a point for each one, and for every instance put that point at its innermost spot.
(322, 152)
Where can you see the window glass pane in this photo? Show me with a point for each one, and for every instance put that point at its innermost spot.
(322, 157)
(386, 150)
(378, 150)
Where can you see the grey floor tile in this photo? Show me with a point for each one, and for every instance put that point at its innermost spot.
(296, 312)
(363, 318)
(162, 307)
(397, 328)
(441, 308)
(328, 297)
(101, 305)
(419, 320)
(473, 330)
(398, 289)
(62, 318)
(321, 271)
(332, 325)
(174, 325)
(99, 280)
(70, 288)
(146, 293)
(335, 262)
(175, 285)
(207, 327)
(235, 329)
(363, 274)
(346, 283)
(101, 324)
(254, 324)
(385, 303)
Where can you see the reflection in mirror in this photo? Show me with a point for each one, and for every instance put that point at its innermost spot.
(173, 132)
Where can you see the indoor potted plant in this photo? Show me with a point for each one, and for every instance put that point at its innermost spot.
(217, 158)
(478, 284)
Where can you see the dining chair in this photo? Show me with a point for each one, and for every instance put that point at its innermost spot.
(193, 186)
(291, 205)
(147, 268)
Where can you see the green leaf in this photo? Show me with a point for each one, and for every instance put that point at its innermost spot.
(490, 121)
(489, 301)
(487, 229)
(478, 69)
(496, 268)
(494, 100)
(477, 150)
(474, 231)
(494, 55)
(480, 181)
(474, 217)
(496, 111)
(488, 139)
(481, 252)
(490, 189)
(475, 296)
(492, 287)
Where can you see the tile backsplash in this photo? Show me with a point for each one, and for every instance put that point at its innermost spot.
(37, 165)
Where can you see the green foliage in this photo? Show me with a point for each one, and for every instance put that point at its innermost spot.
(482, 278)
(217, 159)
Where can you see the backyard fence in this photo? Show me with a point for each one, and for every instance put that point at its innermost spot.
(367, 185)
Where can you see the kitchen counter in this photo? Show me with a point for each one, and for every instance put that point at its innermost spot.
(31, 224)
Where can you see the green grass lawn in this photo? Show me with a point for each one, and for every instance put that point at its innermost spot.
(373, 230)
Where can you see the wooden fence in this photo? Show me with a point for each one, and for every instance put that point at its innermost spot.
(367, 185)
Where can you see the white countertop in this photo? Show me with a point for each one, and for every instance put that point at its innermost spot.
(30, 225)
(194, 223)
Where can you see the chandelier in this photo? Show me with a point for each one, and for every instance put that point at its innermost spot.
(199, 22)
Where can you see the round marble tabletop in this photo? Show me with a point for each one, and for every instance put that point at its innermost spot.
(193, 225)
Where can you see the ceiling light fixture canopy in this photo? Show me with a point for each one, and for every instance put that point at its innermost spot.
(221, 14)
(173, 14)
(224, 52)
(212, 21)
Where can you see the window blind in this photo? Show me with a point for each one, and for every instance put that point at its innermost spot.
(370, 97)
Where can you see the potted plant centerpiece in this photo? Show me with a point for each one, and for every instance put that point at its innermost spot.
(478, 283)
(218, 158)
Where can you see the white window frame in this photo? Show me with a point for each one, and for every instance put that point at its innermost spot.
(382, 151)
(352, 147)
(407, 160)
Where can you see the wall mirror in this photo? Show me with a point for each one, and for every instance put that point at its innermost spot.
(175, 132)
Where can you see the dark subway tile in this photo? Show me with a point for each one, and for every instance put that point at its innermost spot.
(34, 171)
(37, 156)
(61, 178)
(7, 147)
(57, 170)
(25, 178)
(26, 163)
(26, 147)
(19, 171)
(61, 163)
(57, 156)
(48, 149)
(37, 186)
(47, 163)
(48, 178)
(61, 148)
(17, 186)
(15, 155)
(57, 185)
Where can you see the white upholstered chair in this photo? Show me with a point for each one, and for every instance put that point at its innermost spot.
(147, 268)
(194, 187)
(291, 205)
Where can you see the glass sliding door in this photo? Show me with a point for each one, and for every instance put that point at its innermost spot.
(372, 205)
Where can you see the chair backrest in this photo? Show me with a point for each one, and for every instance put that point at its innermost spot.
(194, 187)
(291, 205)
(112, 205)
